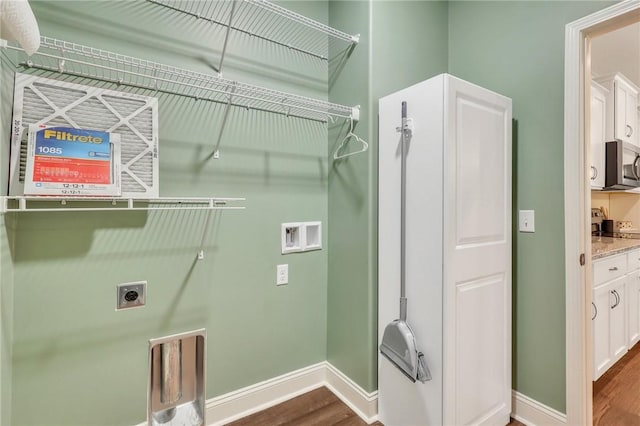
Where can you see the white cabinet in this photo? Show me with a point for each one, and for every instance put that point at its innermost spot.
(633, 307)
(615, 308)
(600, 326)
(460, 144)
(625, 112)
(610, 340)
(598, 134)
(622, 108)
(618, 338)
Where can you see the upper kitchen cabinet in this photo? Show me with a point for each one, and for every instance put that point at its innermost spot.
(622, 108)
(598, 134)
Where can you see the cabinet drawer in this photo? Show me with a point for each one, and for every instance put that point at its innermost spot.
(609, 268)
(633, 260)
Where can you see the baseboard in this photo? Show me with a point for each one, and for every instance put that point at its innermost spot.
(251, 399)
(533, 413)
(364, 404)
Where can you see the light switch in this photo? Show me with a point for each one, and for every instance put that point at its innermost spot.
(527, 221)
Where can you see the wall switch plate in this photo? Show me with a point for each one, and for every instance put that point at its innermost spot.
(131, 295)
(282, 276)
(526, 221)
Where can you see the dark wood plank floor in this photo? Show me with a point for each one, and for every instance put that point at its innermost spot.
(319, 407)
(616, 394)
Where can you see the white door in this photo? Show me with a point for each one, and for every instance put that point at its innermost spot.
(477, 255)
(618, 339)
(601, 319)
(633, 314)
(598, 136)
(631, 117)
(625, 114)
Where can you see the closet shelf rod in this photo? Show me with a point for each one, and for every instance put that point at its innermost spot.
(75, 59)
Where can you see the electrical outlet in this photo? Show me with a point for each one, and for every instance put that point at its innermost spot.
(282, 274)
(131, 295)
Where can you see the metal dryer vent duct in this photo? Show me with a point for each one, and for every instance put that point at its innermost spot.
(176, 391)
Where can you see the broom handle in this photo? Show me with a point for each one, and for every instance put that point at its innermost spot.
(403, 200)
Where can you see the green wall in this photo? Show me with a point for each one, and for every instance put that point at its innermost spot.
(75, 358)
(351, 327)
(402, 43)
(6, 264)
(517, 49)
(58, 271)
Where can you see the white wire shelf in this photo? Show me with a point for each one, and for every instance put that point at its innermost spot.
(14, 204)
(75, 59)
(266, 21)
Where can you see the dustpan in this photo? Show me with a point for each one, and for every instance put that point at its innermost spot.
(398, 341)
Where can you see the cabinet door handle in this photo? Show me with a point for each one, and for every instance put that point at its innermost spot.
(615, 268)
(629, 131)
(595, 311)
(617, 302)
(594, 173)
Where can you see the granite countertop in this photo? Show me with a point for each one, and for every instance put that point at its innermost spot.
(608, 246)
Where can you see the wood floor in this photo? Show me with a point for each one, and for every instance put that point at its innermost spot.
(319, 407)
(616, 394)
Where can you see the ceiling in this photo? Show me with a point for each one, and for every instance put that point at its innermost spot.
(617, 51)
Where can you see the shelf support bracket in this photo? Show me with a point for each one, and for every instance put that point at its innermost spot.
(226, 36)
(205, 231)
(216, 152)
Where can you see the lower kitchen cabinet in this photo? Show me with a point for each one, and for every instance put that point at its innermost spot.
(618, 338)
(600, 327)
(610, 340)
(633, 307)
(615, 308)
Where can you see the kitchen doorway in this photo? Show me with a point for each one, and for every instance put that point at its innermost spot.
(579, 360)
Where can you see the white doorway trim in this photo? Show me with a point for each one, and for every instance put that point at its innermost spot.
(577, 203)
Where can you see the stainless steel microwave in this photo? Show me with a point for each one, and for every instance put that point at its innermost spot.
(622, 165)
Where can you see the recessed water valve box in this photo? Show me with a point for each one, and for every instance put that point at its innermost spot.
(131, 295)
(292, 237)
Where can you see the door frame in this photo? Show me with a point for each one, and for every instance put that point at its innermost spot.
(577, 190)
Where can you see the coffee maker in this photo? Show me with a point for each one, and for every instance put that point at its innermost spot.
(596, 221)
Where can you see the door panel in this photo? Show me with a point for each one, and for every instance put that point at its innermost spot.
(618, 328)
(598, 135)
(477, 238)
(633, 298)
(601, 320)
